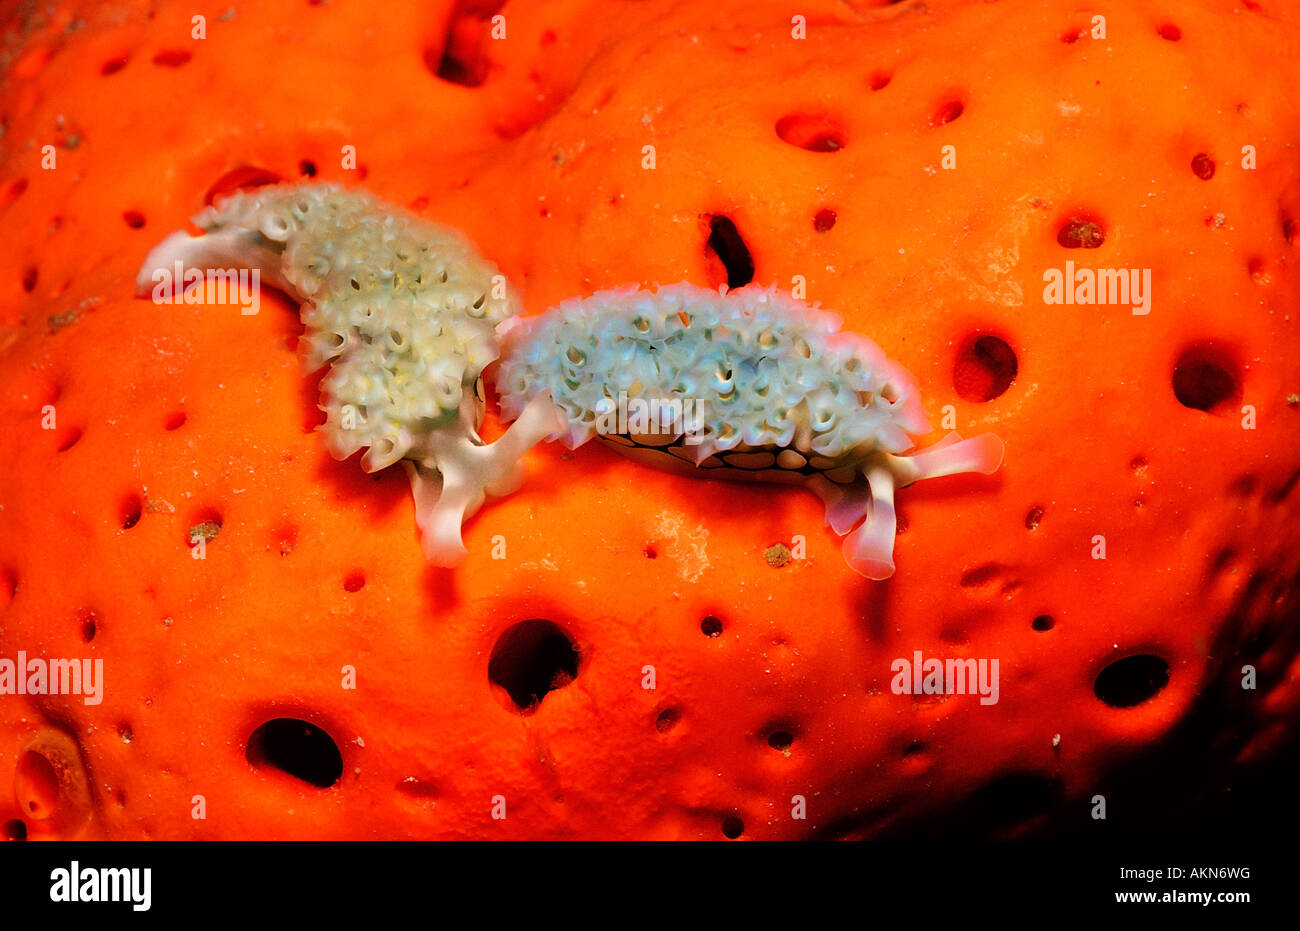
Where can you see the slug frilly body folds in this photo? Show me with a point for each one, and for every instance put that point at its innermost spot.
(404, 313)
(749, 384)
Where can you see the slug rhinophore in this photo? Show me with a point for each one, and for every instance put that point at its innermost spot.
(404, 312)
(749, 384)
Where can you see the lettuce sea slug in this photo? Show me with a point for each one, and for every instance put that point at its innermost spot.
(748, 384)
(404, 312)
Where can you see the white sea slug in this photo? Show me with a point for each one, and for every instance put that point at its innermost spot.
(748, 384)
(404, 312)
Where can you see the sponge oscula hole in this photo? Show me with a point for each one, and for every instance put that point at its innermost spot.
(89, 625)
(1169, 32)
(30, 276)
(307, 168)
(133, 218)
(129, 511)
(985, 367)
(812, 131)
(1203, 166)
(69, 438)
(1206, 378)
(879, 80)
(531, 659)
(203, 527)
(824, 220)
(172, 58)
(781, 740)
(174, 421)
(354, 582)
(947, 112)
(1043, 623)
(1259, 272)
(732, 827)
(667, 719)
(729, 259)
(711, 626)
(113, 65)
(36, 786)
(13, 191)
(242, 178)
(1034, 518)
(1131, 681)
(15, 829)
(461, 56)
(298, 748)
(1081, 231)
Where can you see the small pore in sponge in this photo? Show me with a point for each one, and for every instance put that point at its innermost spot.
(297, 748)
(985, 367)
(728, 248)
(1081, 231)
(1206, 378)
(812, 132)
(530, 660)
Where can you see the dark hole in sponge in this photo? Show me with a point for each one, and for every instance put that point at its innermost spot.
(948, 112)
(172, 58)
(531, 659)
(985, 368)
(780, 740)
(812, 132)
(36, 785)
(69, 439)
(462, 59)
(1205, 379)
(732, 827)
(1081, 232)
(15, 829)
(298, 748)
(242, 178)
(89, 625)
(1132, 680)
(728, 245)
(129, 512)
(667, 719)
